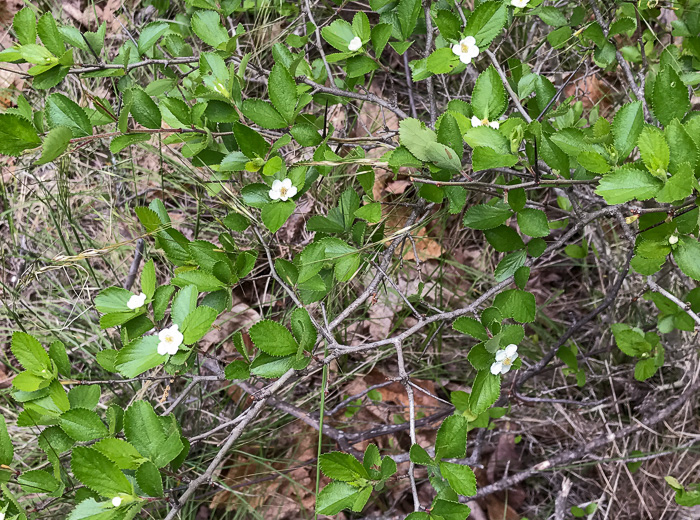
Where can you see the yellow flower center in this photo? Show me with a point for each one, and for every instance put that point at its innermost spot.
(465, 48)
(484, 121)
(283, 191)
(507, 361)
(169, 339)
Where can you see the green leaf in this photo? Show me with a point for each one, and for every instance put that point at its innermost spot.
(204, 282)
(84, 396)
(273, 338)
(150, 35)
(275, 214)
(7, 451)
(24, 25)
(139, 356)
(184, 303)
(99, 473)
(122, 141)
(123, 454)
(342, 466)
(16, 134)
(449, 510)
(509, 265)
(418, 455)
(283, 91)
(145, 430)
(485, 216)
(197, 324)
(485, 391)
(471, 326)
(30, 354)
(654, 151)
(461, 478)
(339, 34)
(627, 183)
(263, 113)
(358, 66)
(682, 147)
(486, 22)
(442, 61)
(303, 329)
(335, 497)
(113, 299)
(55, 143)
(37, 481)
(82, 424)
(149, 479)
(678, 186)
(237, 369)
(143, 109)
(687, 256)
(422, 143)
(484, 158)
(451, 440)
(504, 238)
(49, 34)
(371, 212)
(516, 304)
(533, 222)
(207, 25)
(61, 111)
(626, 127)
(489, 95)
(670, 98)
(407, 13)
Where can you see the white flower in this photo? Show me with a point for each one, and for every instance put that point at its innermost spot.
(136, 301)
(117, 501)
(466, 49)
(170, 340)
(2, 516)
(282, 190)
(484, 122)
(673, 240)
(504, 359)
(519, 3)
(355, 44)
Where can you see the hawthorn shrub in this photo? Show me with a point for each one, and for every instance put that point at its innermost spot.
(486, 141)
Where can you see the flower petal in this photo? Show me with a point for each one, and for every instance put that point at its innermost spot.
(505, 369)
(496, 368)
(494, 124)
(473, 51)
(292, 191)
(274, 194)
(470, 40)
(501, 355)
(511, 349)
(287, 183)
(163, 348)
(476, 121)
(465, 58)
(457, 49)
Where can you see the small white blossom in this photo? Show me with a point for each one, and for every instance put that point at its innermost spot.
(170, 340)
(2, 516)
(117, 501)
(136, 301)
(282, 190)
(355, 44)
(484, 122)
(673, 240)
(504, 359)
(466, 49)
(519, 3)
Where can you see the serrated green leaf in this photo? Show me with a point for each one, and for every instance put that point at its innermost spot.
(273, 338)
(98, 473)
(61, 111)
(626, 127)
(82, 424)
(55, 143)
(627, 183)
(516, 304)
(342, 466)
(207, 25)
(670, 99)
(16, 135)
(139, 356)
